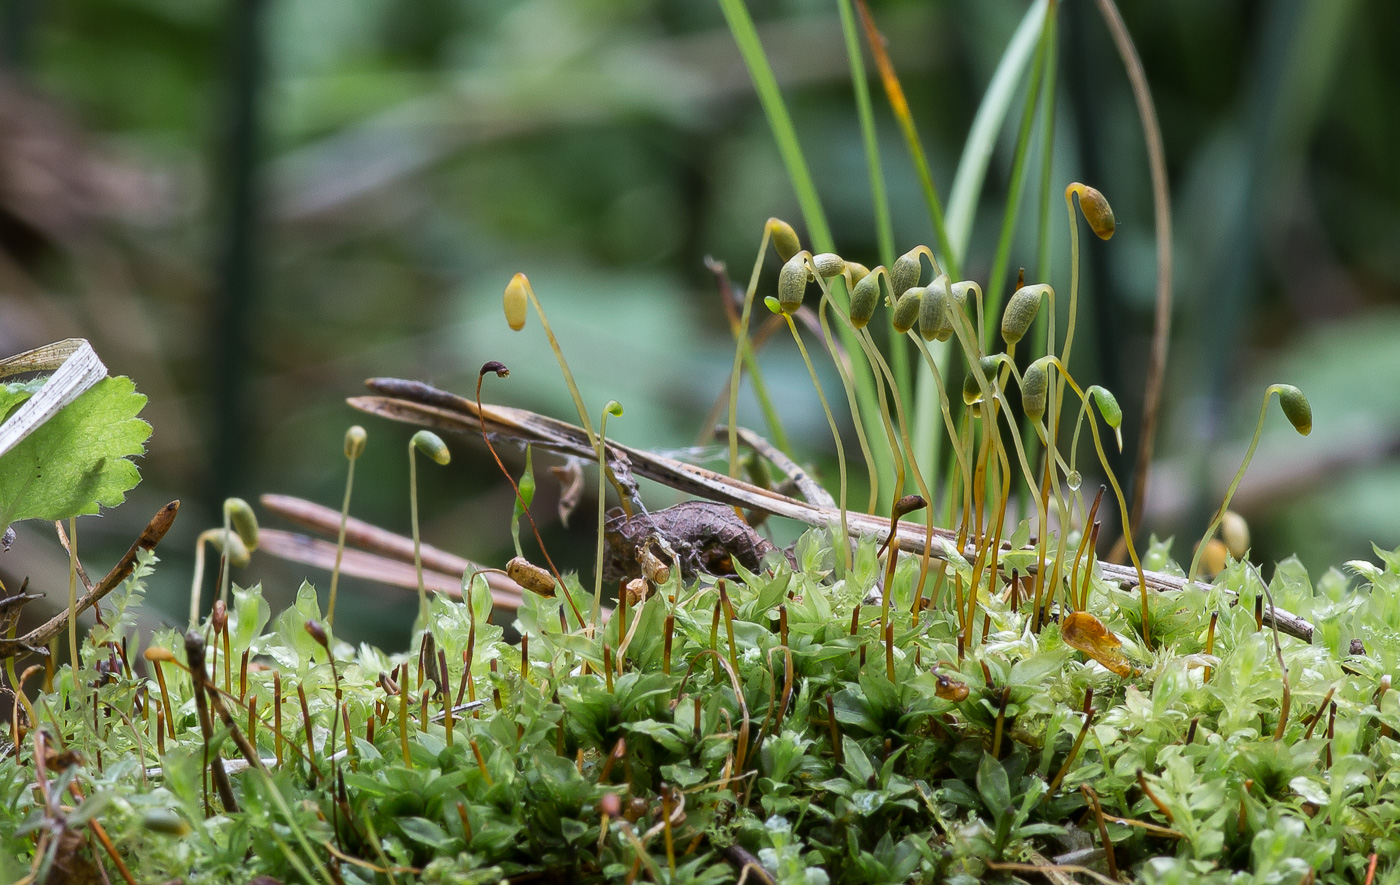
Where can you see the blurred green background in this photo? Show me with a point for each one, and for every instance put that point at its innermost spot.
(251, 206)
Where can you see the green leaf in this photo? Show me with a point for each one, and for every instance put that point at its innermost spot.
(78, 460)
(993, 785)
(421, 829)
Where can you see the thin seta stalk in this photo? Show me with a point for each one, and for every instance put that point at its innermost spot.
(431, 445)
(354, 448)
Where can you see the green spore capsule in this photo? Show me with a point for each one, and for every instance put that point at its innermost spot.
(1020, 313)
(792, 282)
(1034, 386)
(1295, 407)
(243, 521)
(905, 272)
(785, 241)
(1111, 411)
(829, 264)
(906, 309)
(355, 439)
(865, 297)
(935, 321)
(431, 445)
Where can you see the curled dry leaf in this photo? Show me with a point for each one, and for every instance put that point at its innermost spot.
(1087, 633)
(570, 476)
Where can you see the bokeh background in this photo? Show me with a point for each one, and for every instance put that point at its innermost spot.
(250, 206)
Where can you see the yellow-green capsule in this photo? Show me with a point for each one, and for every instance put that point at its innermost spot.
(828, 264)
(1096, 210)
(906, 309)
(355, 439)
(792, 282)
(865, 297)
(1020, 313)
(1034, 385)
(935, 323)
(431, 444)
(243, 521)
(1295, 407)
(785, 241)
(238, 555)
(905, 273)
(516, 302)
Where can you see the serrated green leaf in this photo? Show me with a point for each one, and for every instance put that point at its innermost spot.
(78, 460)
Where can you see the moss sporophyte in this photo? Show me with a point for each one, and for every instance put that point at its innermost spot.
(950, 683)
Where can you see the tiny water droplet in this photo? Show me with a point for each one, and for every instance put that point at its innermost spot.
(1073, 480)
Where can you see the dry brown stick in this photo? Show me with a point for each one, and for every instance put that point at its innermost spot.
(295, 547)
(374, 539)
(150, 536)
(194, 649)
(413, 402)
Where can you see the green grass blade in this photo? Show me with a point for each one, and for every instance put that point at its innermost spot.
(996, 282)
(966, 194)
(982, 136)
(884, 224)
(780, 121)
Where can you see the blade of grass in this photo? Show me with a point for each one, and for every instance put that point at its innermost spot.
(926, 409)
(1042, 263)
(900, 106)
(982, 136)
(996, 282)
(741, 25)
(884, 224)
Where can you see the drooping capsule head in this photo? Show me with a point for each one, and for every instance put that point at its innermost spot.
(972, 388)
(355, 439)
(1295, 407)
(935, 321)
(1020, 313)
(906, 309)
(792, 282)
(785, 241)
(613, 408)
(865, 297)
(1111, 411)
(1034, 386)
(244, 522)
(1234, 531)
(516, 301)
(236, 550)
(972, 391)
(905, 272)
(431, 444)
(1096, 210)
(828, 264)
